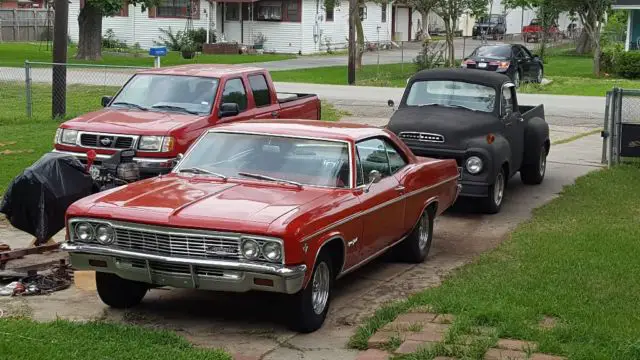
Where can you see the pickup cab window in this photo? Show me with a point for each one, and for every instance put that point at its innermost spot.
(270, 158)
(178, 93)
(234, 92)
(260, 90)
(456, 94)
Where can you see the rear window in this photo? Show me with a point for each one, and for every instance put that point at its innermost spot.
(498, 52)
(260, 90)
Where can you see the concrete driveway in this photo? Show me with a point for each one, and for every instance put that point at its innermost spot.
(251, 324)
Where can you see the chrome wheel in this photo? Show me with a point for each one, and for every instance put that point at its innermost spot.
(516, 79)
(498, 189)
(320, 288)
(539, 77)
(543, 161)
(423, 236)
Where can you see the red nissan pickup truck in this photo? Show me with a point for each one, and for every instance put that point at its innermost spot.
(160, 112)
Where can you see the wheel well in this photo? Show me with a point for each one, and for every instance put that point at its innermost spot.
(505, 167)
(547, 145)
(335, 249)
(433, 208)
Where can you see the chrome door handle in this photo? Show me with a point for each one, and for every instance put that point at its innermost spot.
(400, 188)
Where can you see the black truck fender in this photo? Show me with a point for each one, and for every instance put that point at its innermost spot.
(496, 154)
(536, 134)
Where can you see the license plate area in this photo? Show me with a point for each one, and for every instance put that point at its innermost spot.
(482, 65)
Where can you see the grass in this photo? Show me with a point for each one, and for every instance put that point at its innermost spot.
(23, 339)
(14, 54)
(24, 140)
(575, 261)
(391, 75)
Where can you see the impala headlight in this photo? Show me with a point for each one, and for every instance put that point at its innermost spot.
(105, 234)
(272, 251)
(250, 249)
(84, 231)
(66, 136)
(474, 165)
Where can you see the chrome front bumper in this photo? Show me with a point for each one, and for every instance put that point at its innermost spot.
(206, 274)
(148, 164)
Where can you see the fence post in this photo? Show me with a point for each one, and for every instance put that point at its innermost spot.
(605, 128)
(27, 83)
(619, 125)
(402, 56)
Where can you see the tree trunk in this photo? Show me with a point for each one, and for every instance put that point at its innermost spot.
(425, 26)
(596, 60)
(360, 40)
(90, 26)
(583, 46)
(451, 54)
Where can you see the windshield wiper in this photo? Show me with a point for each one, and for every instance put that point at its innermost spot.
(139, 107)
(197, 170)
(269, 178)
(172, 107)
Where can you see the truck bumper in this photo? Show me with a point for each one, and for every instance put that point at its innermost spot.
(474, 189)
(206, 274)
(148, 166)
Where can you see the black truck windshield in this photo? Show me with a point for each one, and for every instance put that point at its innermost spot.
(175, 93)
(457, 94)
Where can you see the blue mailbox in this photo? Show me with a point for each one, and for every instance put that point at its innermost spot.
(157, 52)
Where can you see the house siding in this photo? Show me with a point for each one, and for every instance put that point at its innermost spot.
(137, 27)
(282, 37)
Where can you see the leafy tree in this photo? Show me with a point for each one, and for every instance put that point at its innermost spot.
(450, 11)
(90, 24)
(424, 7)
(592, 15)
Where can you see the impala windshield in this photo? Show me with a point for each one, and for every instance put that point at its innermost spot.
(269, 158)
(457, 94)
(175, 93)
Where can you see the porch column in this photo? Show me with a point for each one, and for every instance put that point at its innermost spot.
(627, 43)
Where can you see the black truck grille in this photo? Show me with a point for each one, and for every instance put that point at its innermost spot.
(106, 141)
(420, 136)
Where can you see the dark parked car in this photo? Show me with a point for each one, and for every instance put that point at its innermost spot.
(494, 26)
(474, 117)
(513, 60)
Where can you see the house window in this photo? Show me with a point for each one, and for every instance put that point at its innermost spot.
(272, 10)
(232, 11)
(178, 9)
(384, 12)
(329, 10)
(363, 12)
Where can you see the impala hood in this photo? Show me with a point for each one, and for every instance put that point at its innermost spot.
(457, 126)
(200, 202)
(123, 121)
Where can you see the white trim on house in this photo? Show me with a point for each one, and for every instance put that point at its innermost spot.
(627, 43)
(625, 7)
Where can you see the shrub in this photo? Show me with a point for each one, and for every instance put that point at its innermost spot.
(431, 55)
(174, 42)
(609, 56)
(109, 41)
(628, 65)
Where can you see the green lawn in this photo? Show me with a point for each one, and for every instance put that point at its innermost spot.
(25, 140)
(575, 261)
(14, 54)
(571, 75)
(22, 339)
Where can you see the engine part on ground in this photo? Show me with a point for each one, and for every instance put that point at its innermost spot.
(36, 200)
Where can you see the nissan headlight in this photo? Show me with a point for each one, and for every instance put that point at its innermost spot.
(66, 136)
(473, 165)
(250, 249)
(84, 231)
(150, 143)
(272, 251)
(105, 234)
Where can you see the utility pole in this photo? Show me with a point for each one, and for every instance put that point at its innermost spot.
(353, 12)
(59, 80)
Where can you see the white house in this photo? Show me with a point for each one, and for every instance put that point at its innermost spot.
(290, 26)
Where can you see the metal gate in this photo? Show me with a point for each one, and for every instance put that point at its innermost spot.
(621, 135)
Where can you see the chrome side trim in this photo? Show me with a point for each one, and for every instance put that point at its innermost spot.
(104, 157)
(271, 269)
(375, 208)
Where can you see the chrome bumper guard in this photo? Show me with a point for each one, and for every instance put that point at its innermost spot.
(142, 162)
(207, 274)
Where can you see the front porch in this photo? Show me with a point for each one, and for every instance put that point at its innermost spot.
(632, 41)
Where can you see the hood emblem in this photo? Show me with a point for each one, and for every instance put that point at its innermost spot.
(105, 141)
(420, 136)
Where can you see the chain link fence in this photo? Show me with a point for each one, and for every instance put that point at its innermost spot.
(621, 135)
(32, 90)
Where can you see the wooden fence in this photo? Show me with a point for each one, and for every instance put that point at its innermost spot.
(25, 25)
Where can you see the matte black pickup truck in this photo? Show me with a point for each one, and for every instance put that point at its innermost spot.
(474, 117)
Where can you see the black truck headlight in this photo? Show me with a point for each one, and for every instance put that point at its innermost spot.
(473, 165)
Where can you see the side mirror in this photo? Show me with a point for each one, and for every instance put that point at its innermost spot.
(178, 159)
(229, 109)
(374, 177)
(106, 100)
(390, 103)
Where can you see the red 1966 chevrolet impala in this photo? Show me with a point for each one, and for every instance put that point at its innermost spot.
(282, 206)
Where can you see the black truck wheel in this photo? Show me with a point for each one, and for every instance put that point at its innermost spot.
(311, 304)
(119, 293)
(533, 174)
(493, 203)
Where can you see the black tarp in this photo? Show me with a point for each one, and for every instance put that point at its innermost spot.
(37, 199)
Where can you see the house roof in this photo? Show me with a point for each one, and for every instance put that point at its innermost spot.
(204, 70)
(625, 4)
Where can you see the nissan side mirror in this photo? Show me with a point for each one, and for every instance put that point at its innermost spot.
(106, 100)
(229, 109)
(374, 177)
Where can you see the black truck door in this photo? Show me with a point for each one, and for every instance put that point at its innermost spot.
(513, 126)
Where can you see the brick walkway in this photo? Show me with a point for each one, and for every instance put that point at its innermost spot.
(425, 330)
